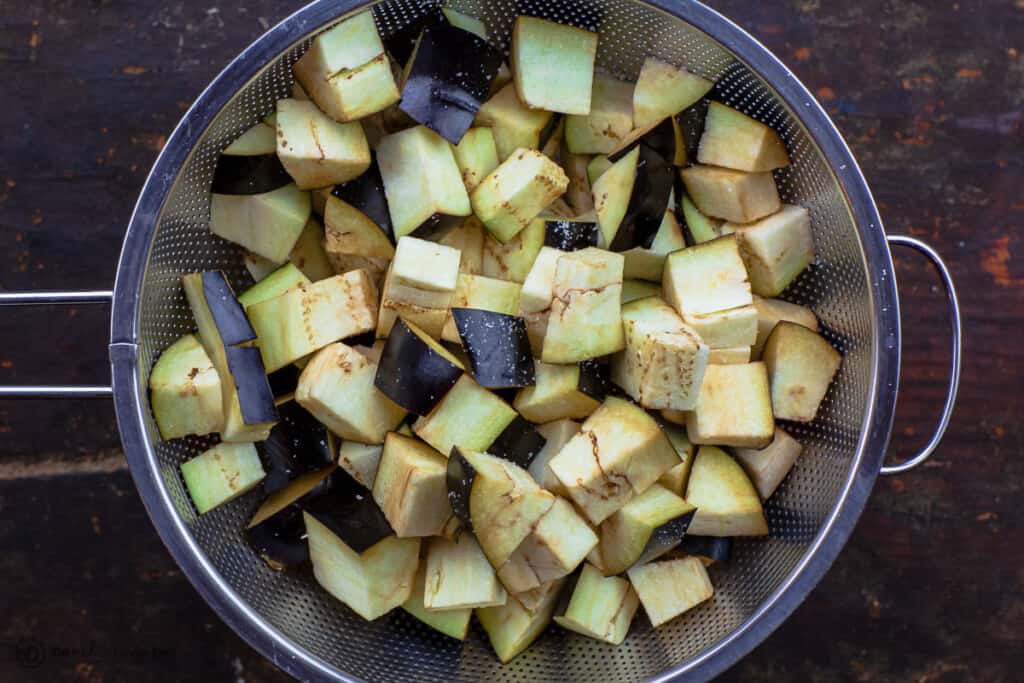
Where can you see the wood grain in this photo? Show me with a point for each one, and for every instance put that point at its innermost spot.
(930, 97)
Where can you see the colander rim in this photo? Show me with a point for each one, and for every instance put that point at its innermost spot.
(129, 391)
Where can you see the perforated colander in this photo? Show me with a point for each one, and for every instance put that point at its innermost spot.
(851, 287)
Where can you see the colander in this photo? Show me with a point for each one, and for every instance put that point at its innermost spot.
(851, 287)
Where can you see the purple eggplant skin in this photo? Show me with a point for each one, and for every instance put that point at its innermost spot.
(255, 398)
(661, 138)
(498, 347)
(353, 517)
(595, 379)
(249, 174)
(665, 537)
(297, 444)
(648, 202)
(280, 540)
(366, 193)
(691, 125)
(571, 235)
(519, 443)
(714, 548)
(411, 373)
(451, 74)
(548, 130)
(228, 315)
(459, 477)
(284, 381)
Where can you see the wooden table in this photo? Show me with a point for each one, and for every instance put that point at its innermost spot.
(931, 586)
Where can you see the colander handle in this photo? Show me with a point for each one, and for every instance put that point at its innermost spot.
(954, 365)
(44, 299)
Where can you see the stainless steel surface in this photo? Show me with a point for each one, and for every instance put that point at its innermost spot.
(850, 286)
(58, 298)
(954, 360)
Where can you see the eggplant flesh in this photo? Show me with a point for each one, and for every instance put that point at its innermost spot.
(498, 347)
(646, 211)
(661, 138)
(415, 371)
(255, 398)
(249, 174)
(443, 92)
(571, 235)
(520, 443)
(366, 193)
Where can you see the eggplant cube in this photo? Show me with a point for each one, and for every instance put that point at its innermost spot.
(513, 259)
(676, 478)
(735, 196)
(610, 119)
(801, 365)
(421, 179)
(768, 466)
(441, 90)
(451, 622)
(353, 241)
(185, 391)
(601, 607)
(643, 529)
(279, 281)
(553, 65)
(410, 487)
(267, 224)
(556, 395)
(664, 361)
(372, 582)
(513, 124)
(539, 287)
(663, 90)
(571, 234)
(648, 263)
(257, 141)
(498, 347)
(706, 278)
(361, 461)
(337, 387)
(700, 228)
(558, 543)
(579, 195)
(309, 317)
(734, 407)
(733, 328)
(613, 191)
(458, 576)
(619, 452)
(426, 265)
(316, 150)
(415, 371)
(468, 238)
(776, 249)
(586, 312)
(734, 140)
(482, 293)
(514, 193)
(632, 290)
(477, 155)
(727, 502)
(468, 416)
(730, 355)
(221, 474)
(346, 71)
(669, 588)
(511, 628)
(770, 312)
(556, 435)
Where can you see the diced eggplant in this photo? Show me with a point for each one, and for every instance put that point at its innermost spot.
(267, 224)
(249, 174)
(214, 296)
(346, 71)
(221, 474)
(459, 476)
(537, 45)
(734, 407)
(498, 347)
(551, 137)
(468, 238)
(297, 444)
(539, 287)
(631, 199)
(337, 387)
(301, 491)
(366, 193)
(522, 186)
(610, 119)
(734, 140)
(732, 328)
(468, 416)
(371, 582)
(691, 125)
(648, 263)
(316, 150)
(580, 196)
(361, 461)
(699, 228)
(585, 319)
(554, 548)
(801, 365)
(520, 443)
(556, 434)
(664, 361)
(255, 399)
(706, 278)
(619, 452)
(259, 140)
(663, 137)
(644, 529)
(308, 253)
(483, 293)
(563, 391)
(768, 466)
(477, 155)
(451, 622)
(419, 286)
(633, 290)
(675, 479)
(308, 317)
(422, 182)
(275, 284)
(775, 249)
(676, 417)
(601, 607)
(185, 391)
(730, 355)
(770, 312)
(513, 123)
(612, 193)
(410, 487)
(667, 589)
(512, 627)
(663, 90)
(353, 241)
(465, 22)
(571, 235)
(513, 259)
(280, 540)
(458, 576)
(709, 549)
(727, 502)
(415, 371)
(441, 90)
(596, 168)
(735, 196)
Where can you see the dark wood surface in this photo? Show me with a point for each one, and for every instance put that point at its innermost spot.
(929, 94)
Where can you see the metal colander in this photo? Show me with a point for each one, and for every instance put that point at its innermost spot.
(851, 287)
